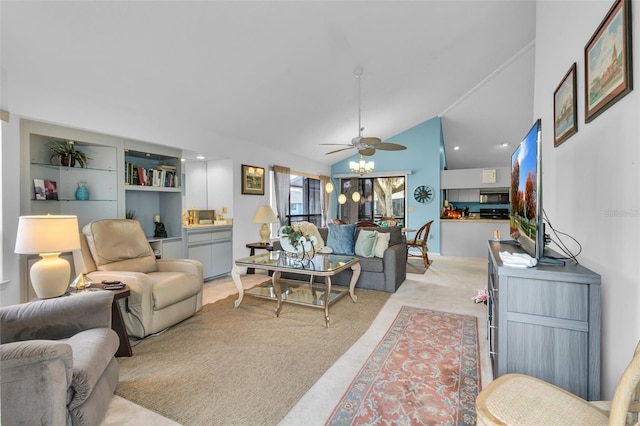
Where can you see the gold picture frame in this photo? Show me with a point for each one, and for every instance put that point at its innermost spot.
(565, 108)
(252, 180)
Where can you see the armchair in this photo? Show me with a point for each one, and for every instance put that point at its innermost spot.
(163, 291)
(57, 362)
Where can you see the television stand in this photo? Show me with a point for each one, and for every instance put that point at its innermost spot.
(544, 321)
(509, 242)
(544, 260)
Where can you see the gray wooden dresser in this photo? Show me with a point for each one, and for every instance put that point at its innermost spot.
(545, 322)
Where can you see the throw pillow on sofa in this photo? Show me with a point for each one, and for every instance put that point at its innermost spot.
(366, 243)
(382, 243)
(341, 238)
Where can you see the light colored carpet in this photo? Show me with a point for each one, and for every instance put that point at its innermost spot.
(448, 285)
(257, 366)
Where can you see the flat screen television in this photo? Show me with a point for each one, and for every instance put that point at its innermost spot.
(526, 221)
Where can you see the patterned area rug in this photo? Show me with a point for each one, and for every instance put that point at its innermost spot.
(425, 371)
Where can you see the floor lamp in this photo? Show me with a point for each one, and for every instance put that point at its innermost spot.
(48, 236)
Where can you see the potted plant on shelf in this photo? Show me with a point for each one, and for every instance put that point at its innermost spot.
(67, 154)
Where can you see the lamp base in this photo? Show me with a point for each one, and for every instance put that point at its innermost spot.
(50, 276)
(265, 233)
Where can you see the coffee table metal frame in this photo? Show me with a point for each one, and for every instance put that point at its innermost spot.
(324, 265)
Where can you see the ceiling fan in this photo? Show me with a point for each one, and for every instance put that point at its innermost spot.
(365, 145)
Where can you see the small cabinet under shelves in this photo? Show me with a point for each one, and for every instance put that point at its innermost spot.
(544, 321)
(212, 246)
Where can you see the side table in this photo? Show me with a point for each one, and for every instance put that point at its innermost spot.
(253, 246)
(117, 323)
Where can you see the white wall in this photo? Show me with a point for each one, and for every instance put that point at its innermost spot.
(220, 187)
(592, 181)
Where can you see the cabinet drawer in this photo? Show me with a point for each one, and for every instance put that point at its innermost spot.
(548, 298)
(213, 236)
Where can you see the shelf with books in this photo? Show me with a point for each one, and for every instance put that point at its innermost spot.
(152, 177)
(156, 176)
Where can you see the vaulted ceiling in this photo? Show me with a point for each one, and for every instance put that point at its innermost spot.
(281, 73)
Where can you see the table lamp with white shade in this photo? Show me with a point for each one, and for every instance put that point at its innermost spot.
(265, 215)
(48, 236)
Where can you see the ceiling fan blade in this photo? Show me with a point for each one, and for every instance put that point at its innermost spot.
(338, 150)
(370, 140)
(388, 146)
(367, 151)
(337, 144)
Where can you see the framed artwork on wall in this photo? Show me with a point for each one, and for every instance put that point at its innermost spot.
(252, 180)
(608, 62)
(565, 108)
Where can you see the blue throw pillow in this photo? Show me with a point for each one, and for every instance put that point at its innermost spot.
(341, 238)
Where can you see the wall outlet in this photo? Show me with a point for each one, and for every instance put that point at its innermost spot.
(224, 209)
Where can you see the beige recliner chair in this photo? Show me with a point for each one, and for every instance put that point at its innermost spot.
(163, 291)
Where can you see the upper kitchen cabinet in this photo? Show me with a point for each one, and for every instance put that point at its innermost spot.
(153, 186)
(52, 188)
(494, 177)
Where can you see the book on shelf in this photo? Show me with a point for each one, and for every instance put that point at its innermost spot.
(160, 176)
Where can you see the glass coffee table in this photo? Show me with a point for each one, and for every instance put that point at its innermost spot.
(308, 293)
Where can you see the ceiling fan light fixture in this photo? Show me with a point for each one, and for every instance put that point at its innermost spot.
(361, 167)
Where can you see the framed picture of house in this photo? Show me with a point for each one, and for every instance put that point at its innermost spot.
(252, 180)
(565, 108)
(607, 57)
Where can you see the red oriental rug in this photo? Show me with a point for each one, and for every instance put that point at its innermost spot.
(425, 371)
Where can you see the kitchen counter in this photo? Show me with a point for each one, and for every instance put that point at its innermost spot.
(467, 237)
(227, 222)
(476, 220)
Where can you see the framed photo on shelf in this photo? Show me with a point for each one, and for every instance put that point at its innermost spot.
(50, 190)
(252, 180)
(565, 108)
(38, 189)
(607, 57)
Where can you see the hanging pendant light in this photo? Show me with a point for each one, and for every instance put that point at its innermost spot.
(329, 187)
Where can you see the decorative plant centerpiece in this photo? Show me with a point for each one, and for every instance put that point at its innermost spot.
(293, 240)
(66, 152)
(482, 296)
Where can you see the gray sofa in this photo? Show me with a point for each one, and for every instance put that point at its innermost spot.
(57, 360)
(384, 274)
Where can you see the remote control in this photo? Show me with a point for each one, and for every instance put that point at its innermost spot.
(113, 286)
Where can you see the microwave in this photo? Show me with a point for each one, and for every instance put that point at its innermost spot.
(494, 198)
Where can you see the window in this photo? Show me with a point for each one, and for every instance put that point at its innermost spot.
(304, 200)
(380, 197)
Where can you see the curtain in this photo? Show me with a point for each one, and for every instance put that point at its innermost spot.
(281, 179)
(324, 199)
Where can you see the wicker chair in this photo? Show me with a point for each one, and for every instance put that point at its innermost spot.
(516, 399)
(420, 242)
